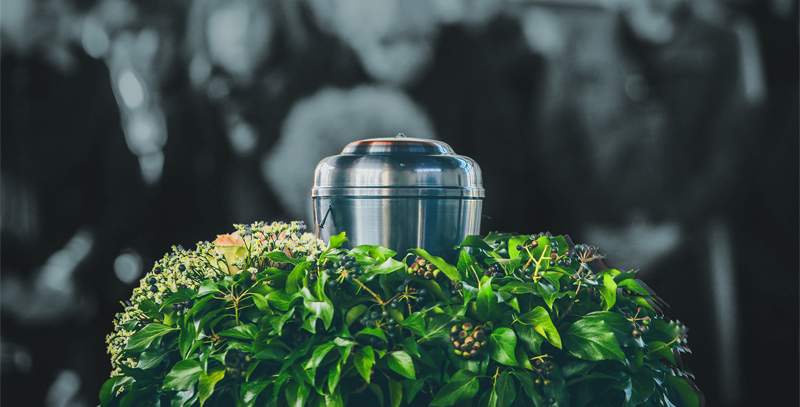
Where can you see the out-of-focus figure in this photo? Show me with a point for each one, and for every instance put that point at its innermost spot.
(321, 125)
(447, 72)
(644, 133)
(252, 60)
(70, 191)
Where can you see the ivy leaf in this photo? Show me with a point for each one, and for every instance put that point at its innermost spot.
(451, 272)
(621, 327)
(378, 252)
(539, 319)
(183, 375)
(437, 327)
(502, 342)
(334, 374)
(207, 287)
(378, 392)
(297, 394)
(467, 264)
(475, 241)
(354, 313)
(530, 338)
(246, 331)
(486, 306)
(527, 385)
(517, 241)
(681, 388)
(186, 339)
(631, 285)
(260, 301)
(642, 386)
(142, 339)
(376, 332)
(337, 241)
(319, 309)
(661, 350)
(281, 300)
(412, 388)
(316, 358)
(395, 392)
(207, 383)
(295, 279)
(505, 389)
(107, 390)
(401, 362)
(549, 292)
(522, 358)
(592, 339)
(494, 237)
(462, 387)
(415, 322)
(281, 258)
(364, 359)
(271, 353)
(608, 291)
(388, 266)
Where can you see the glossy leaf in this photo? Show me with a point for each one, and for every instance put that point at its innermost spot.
(205, 388)
(608, 291)
(438, 327)
(401, 362)
(412, 387)
(183, 375)
(540, 321)
(486, 305)
(462, 387)
(297, 394)
(207, 287)
(142, 339)
(354, 313)
(246, 331)
(451, 272)
(395, 393)
(592, 339)
(389, 266)
(475, 241)
(505, 389)
(683, 391)
(502, 342)
(364, 359)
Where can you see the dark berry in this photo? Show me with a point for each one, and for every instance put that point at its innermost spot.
(179, 307)
(645, 329)
(422, 291)
(375, 315)
(519, 247)
(534, 243)
(152, 280)
(181, 268)
(540, 371)
(553, 255)
(349, 277)
(400, 288)
(174, 307)
(374, 340)
(370, 324)
(384, 314)
(487, 273)
(419, 300)
(329, 272)
(153, 288)
(157, 270)
(391, 321)
(312, 278)
(337, 265)
(333, 284)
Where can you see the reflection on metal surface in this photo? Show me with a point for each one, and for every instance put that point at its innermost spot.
(400, 193)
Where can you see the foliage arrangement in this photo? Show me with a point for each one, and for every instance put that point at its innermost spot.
(267, 316)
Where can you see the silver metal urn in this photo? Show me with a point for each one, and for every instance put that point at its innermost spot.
(400, 193)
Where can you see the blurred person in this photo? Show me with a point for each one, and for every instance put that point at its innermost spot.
(69, 205)
(644, 136)
(321, 125)
(252, 60)
(448, 73)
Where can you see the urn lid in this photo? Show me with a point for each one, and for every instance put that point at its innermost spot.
(400, 167)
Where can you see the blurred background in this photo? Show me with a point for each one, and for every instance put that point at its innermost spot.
(663, 131)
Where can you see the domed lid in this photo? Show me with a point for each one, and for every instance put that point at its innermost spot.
(398, 166)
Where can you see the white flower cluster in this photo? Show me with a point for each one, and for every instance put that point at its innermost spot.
(183, 269)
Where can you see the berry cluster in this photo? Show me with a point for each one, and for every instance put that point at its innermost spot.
(424, 269)
(454, 287)
(467, 342)
(347, 268)
(236, 363)
(186, 305)
(494, 271)
(642, 325)
(410, 293)
(545, 372)
(382, 320)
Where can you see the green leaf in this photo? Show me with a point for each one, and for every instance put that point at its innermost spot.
(150, 358)
(502, 342)
(517, 287)
(281, 257)
(395, 392)
(319, 309)
(661, 351)
(608, 291)
(642, 386)
(297, 394)
(475, 241)
(462, 387)
(517, 241)
(549, 292)
(413, 387)
(527, 385)
(530, 338)
(186, 339)
(334, 374)
(246, 331)
(415, 322)
(486, 306)
(632, 285)
(281, 300)
(183, 375)
(389, 266)
(401, 362)
(207, 287)
(505, 389)
(272, 353)
(378, 392)
(376, 332)
(316, 358)
(437, 327)
(142, 339)
(451, 272)
(207, 383)
(261, 302)
(378, 252)
(494, 237)
(681, 388)
(337, 241)
(522, 358)
(539, 319)
(592, 339)
(107, 391)
(295, 280)
(354, 313)
(364, 359)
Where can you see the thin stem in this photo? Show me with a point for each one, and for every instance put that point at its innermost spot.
(664, 345)
(370, 291)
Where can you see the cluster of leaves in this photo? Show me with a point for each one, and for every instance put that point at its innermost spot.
(346, 327)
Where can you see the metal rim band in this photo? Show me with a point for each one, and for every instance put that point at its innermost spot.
(406, 192)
